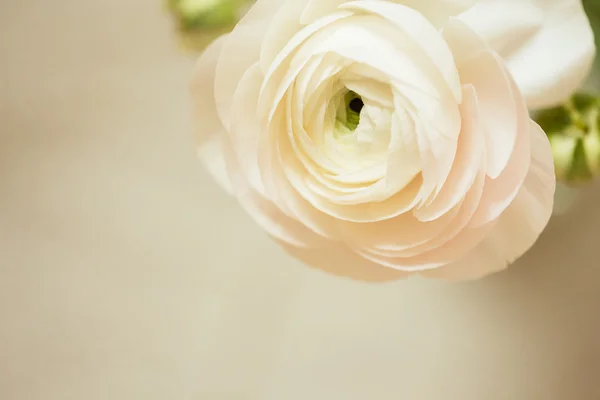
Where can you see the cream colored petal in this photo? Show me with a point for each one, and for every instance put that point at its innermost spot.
(240, 51)
(438, 11)
(548, 44)
(504, 25)
(421, 32)
(209, 130)
(399, 203)
(245, 130)
(316, 9)
(293, 58)
(519, 226)
(552, 65)
(315, 220)
(266, 213)
(283, 26)
(404, 158)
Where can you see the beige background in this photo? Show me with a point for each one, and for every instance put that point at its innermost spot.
(126, 274)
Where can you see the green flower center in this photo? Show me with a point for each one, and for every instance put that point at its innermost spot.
(348, 113)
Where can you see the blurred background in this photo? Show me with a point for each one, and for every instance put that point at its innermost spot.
(125, 272)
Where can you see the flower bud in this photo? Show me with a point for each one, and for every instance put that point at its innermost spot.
(573, 131)
(201, 21)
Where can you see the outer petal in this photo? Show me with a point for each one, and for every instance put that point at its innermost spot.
(436, 11)
(266, 213)
(519, 226)
(504, 25)
(469, 158)
(209, 130)
(240, 51)
(548, 44)
(339, 260)
(479, 66)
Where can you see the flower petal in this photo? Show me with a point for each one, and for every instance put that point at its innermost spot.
(504, 25)
(548, 44)
(519, 227)
(240, 51)
(421, 32)
(209, 130)
(469, 160)
(339, 260)
(483, 69)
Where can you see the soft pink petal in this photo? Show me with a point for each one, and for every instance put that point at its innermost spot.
(519, 227)
(500, 192)
(484, 70)
(469, 160)
(337, 259)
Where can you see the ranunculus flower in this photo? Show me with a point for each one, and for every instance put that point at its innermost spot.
(379, 139)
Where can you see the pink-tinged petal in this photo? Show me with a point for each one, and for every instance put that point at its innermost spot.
(481, 261)
(449, 245)
(209, 130)
(484, 70)
(498, 107)
(339, 260)
(553, 64)
(240, 51)
(519, 227)
(395, 235)
(500, 192)
(436, 127)
(468, 162)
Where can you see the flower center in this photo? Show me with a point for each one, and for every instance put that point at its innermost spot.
(348, 113)
(356, 105)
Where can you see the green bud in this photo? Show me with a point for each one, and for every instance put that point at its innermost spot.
(574, 134)
(201, 21)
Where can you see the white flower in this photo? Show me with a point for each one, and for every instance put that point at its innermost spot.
(378, 139)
